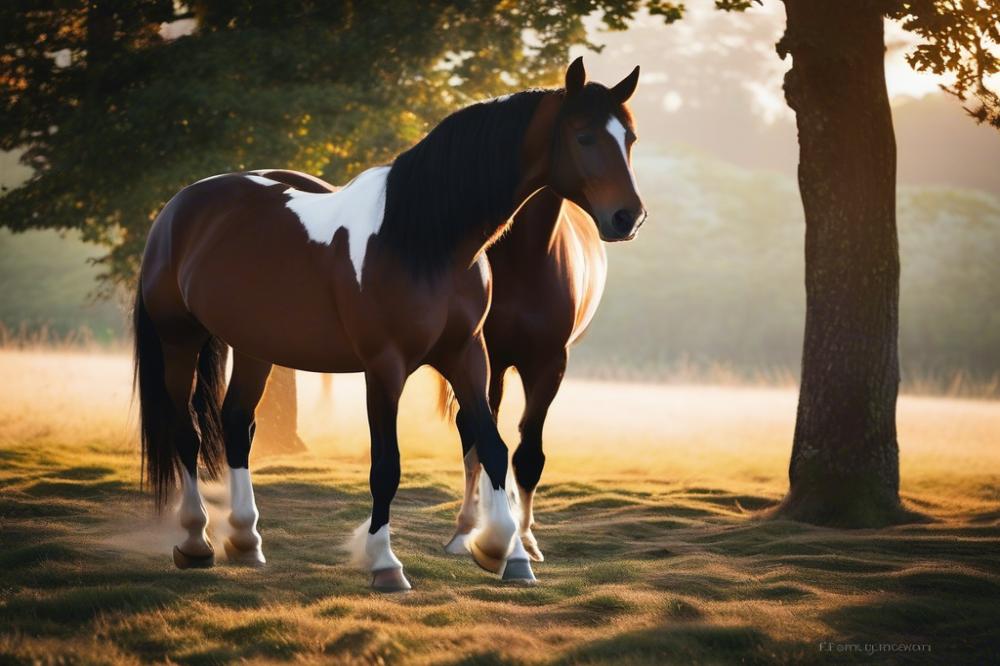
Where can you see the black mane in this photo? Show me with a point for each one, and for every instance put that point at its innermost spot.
(458, 178)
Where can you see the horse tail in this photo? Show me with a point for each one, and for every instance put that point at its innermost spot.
(209, 391)
(447, 406)
(160, 462)
(155, 410)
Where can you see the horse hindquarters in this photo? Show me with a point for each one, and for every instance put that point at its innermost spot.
(171, 438)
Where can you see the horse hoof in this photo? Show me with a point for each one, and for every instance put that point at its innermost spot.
(459, 544)
(185, 561)
(531, 547)
(518, 572)
(390, 580)
(488, 562)
(248, 558)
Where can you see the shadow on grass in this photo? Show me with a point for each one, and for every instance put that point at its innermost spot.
(630, 576)
(689, 643)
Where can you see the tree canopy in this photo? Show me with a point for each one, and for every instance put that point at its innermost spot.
(114, 112)
(114, 116)
(960, 37)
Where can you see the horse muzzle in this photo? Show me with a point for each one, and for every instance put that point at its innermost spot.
(622, 226)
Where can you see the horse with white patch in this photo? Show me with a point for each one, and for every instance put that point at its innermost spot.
(380, 277)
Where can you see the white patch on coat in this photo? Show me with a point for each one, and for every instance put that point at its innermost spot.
(372, 552)
(358, 207)
(618, 131)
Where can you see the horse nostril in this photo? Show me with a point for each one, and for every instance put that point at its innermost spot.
(623, 221)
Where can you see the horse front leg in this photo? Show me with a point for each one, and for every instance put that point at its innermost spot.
(493, 546)
(465, 522)
(541, 383)
(371, 548)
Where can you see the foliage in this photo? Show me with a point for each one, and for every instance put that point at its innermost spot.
(114, 117)
(114, 112)
(715, 277)
(714, 281)
(46, 283)
(961, 37)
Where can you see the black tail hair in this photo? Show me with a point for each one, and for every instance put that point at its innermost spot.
(160, 462)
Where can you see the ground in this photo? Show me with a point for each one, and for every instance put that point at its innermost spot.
(647, 516)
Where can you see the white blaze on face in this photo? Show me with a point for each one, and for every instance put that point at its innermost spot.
(617, 130)
(358, 207)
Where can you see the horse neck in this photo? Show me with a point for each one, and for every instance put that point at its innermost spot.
(535, 224)
(535, 158)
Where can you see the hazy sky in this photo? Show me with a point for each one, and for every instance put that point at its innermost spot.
(712, 82)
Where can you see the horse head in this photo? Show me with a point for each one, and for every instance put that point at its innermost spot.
(591, 155)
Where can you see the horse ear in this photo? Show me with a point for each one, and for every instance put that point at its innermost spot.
(624, 89)
(576, 76)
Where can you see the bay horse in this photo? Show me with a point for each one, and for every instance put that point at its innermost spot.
(549, 271)
(381, 277)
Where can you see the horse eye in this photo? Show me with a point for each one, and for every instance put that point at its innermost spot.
(586, 139)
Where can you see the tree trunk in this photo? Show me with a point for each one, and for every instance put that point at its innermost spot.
(845, 460)
(277, 416)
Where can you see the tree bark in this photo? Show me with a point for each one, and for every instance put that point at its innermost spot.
(845, 460)
(277, 416)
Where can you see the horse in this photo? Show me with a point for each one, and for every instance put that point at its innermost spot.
(549, 272)
(383, 276)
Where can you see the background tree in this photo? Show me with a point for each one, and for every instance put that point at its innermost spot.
(114, 118)
(845, 457)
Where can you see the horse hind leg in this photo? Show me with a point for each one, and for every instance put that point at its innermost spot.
(243, 544)
(180, 362)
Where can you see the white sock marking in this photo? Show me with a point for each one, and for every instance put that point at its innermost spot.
(193, 517)
(244, 508)
(496, 526)
(372, 552)
(243, 514)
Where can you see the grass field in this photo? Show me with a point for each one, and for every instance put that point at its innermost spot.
(646, 516)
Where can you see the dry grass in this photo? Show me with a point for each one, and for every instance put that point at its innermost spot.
(653, 553)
